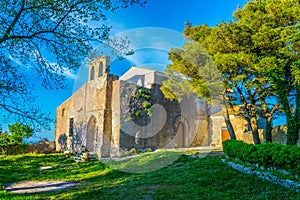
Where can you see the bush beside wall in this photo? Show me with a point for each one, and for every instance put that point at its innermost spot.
(41, 147)
(267, 154)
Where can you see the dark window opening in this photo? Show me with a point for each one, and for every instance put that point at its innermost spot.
(100, 69)
(71, 127)
(92, 73)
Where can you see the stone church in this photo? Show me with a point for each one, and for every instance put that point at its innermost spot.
(109, 115)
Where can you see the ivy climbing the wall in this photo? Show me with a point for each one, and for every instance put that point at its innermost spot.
(140, 105)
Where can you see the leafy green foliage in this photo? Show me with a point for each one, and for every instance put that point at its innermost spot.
(257, 54)
(266, 155)
(138, 113)
(18, 132)
(192, 71)
(49, 38)
(140, 103)
(6, 139)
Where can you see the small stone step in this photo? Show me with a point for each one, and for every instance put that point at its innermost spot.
(92, 156)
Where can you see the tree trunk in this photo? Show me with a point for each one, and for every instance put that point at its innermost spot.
(269, 117)
(297, 117)
(297, 111)
(228, 124)
(227, 119)
(254, 127)
(292, 132)
(292, 125)
(268, 133)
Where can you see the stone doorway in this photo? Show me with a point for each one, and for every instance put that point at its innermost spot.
(179, 127)
(180, 135)
(91, 132)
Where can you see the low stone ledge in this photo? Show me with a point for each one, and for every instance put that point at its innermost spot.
(268, 176)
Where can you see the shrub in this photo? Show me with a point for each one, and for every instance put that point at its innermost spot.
(7, 140)
(18, 132)
(13, 149)
(266, 155)
(133, 150)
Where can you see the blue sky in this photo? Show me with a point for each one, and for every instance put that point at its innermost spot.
(172, 14)
(164, 15)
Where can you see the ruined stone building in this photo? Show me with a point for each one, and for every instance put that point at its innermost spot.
(111, 114)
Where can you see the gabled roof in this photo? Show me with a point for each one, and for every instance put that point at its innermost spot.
(133, 71)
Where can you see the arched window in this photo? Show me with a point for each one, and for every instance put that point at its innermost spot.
(139, 82)
(92, 73)
(63, 111)
(100, 72)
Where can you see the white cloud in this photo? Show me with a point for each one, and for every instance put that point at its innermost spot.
(18, 62)
(68, 73)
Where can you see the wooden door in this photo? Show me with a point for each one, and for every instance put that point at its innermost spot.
(225, 135)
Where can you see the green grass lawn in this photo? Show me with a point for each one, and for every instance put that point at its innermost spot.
(187, 178)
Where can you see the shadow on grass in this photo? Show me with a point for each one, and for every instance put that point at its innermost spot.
(187, 178)
(26, 167)
(144, 163)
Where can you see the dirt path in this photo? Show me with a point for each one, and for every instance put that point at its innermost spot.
(30, 187)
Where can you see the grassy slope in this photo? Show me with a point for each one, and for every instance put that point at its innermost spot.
(187, 178)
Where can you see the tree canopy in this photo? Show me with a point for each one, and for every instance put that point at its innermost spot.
(47, 37)
(273, 27)
(257, 56)
(18, 132)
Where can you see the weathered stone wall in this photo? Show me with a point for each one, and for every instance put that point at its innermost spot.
(133, 137)
(215, 127)
(107, 119)
(90, 102)
(145, 133)
(62, 126)
(279, 134)
(195, 119)
(115, 108)
(240, 127)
